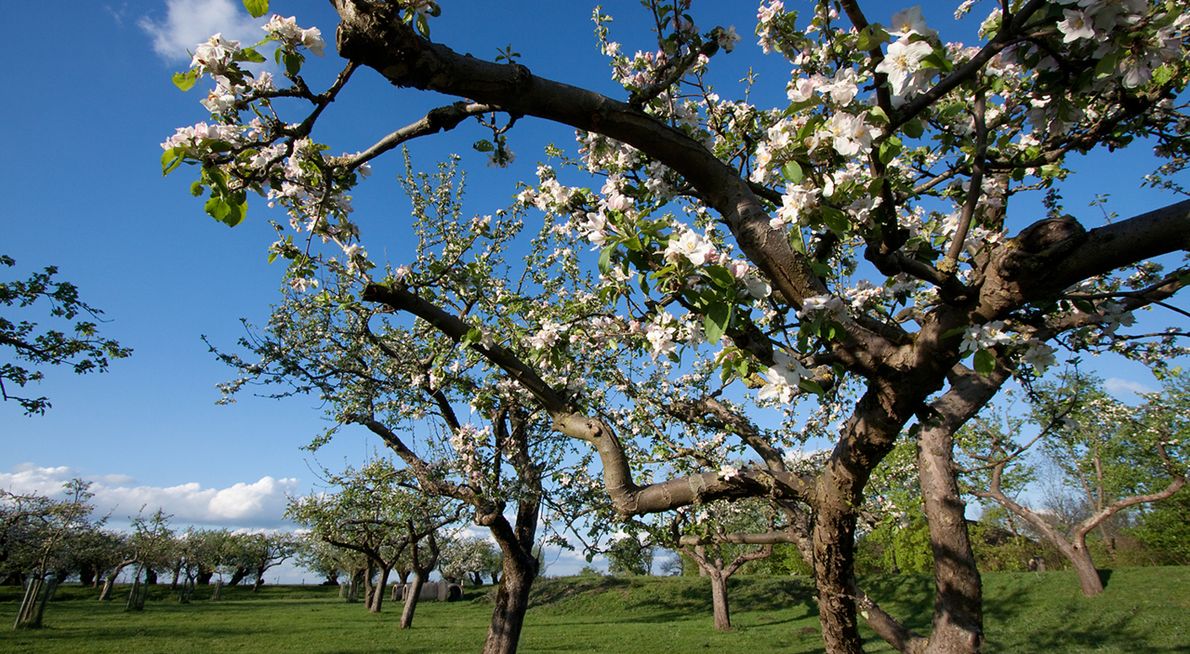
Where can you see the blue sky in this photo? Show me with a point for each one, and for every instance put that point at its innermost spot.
(89, 101)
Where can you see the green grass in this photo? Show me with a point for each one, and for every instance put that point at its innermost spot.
(1144, 610)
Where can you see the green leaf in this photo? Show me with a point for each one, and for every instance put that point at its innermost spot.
(871, 37)
(985, 362)
(257, 8)
(483, 145)
(792, 172)
(605, 259)
(835, 220)
(715, 322)
(171, 159)
(229, 213)
(293, 63)
(197, 188)
(889, 148)
(473, 335)
(721, 276)
(878, 116)
(914, 129)
(250, 54)
(185, 81)
(217, 208)
(811, 386)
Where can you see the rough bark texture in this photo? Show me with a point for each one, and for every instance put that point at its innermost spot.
(412, 591)
(512, 602)
(719, 606)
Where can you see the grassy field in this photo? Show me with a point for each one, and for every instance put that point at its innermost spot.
(1144, 610)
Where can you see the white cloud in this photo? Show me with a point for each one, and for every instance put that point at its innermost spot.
(1118, 387)
(252, 505)
(190, 22)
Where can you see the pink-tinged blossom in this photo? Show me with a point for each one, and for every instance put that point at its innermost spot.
(286, 31)
(828, 305)
(1076, 25)
(215, 55)
(738, 268)
(910, 21)
(766, 14)
(803, 88)
(982, 337)
(301, 284)
(690, 246)
(782, 379)
(727, 38)
(660, 335)
(902, 64)
(843, 87)
(850, 134)
(728, 472)
(1039, 356)
(595, 228)
(795, 202)
(547, 336)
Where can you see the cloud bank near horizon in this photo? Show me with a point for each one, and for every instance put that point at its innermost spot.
(256, 504)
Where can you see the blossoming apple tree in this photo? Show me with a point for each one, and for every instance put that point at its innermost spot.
(852, 256)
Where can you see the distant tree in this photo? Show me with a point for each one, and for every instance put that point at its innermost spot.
(36, 528)
(468, 558)
(628, 555)
(31, 348)
(371, 511)
(1113, 456)
(721, 537)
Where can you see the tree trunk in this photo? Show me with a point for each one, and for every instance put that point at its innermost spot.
(88, 575)
(109, 582)
(27, 615)
(834, 556)
(205, 575)
(958, 589)
(237, 576)
(719, 605)
(1088, 577)
(367, 578)
(412, 592)
(377, 601)
(512, 601)
(150, 577)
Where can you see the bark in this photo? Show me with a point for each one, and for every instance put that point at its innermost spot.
(109, 581)
(237, 576)
(719, 606)
(958, 590)
(412, 591)
(1089, 580)
(204, 575)
(377, 600)
(512, 602)
(88, 576)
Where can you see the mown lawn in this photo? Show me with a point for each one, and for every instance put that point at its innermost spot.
(1144, 610)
